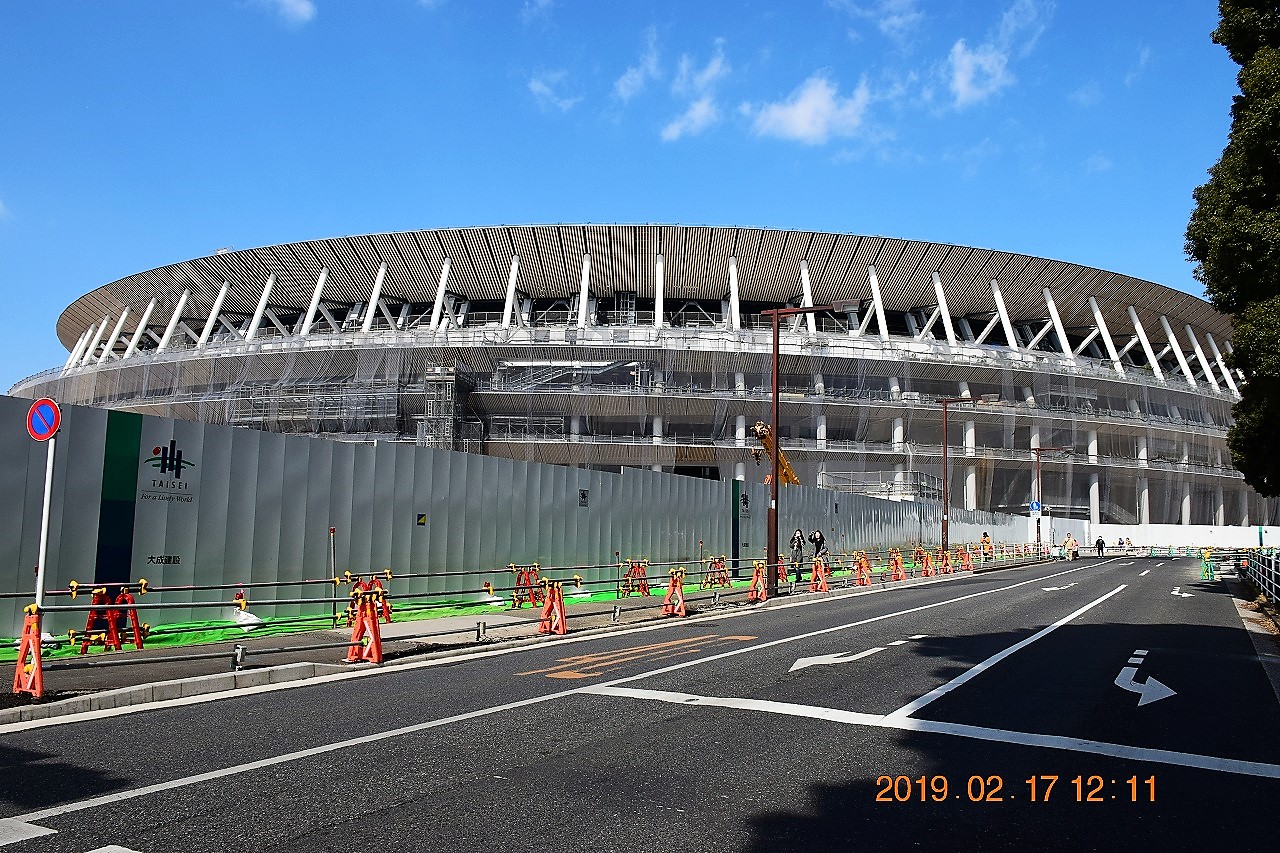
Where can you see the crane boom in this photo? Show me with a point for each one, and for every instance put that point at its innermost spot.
(764, 435)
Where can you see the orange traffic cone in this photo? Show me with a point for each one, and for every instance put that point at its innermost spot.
(673, 604)
(28, 676)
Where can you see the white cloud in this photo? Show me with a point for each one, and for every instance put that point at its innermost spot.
(1097, 162)
(813, 113)
(533, 10)
(896, 19)
(293, 12)
(698, 85)
(978, 73)
(1086, 95)
(701, 114)
(693, 81)
(1144, 59)
(634, 79)
(544, 87)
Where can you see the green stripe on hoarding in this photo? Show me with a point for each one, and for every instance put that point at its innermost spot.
(120, 461)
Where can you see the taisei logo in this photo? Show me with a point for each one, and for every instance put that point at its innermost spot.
(169, 460)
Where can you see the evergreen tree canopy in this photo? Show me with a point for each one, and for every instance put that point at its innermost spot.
(1234, 234)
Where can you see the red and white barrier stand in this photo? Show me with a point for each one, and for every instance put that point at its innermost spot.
(717, 575)
(636, 578)
(673, 604)
(366, 638)
(818, 577)
(553, 617)
(759, 589)
(529, 586)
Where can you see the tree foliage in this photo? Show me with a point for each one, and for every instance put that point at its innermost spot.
(1234, 233)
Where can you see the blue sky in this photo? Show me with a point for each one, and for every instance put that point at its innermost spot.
(135, 133)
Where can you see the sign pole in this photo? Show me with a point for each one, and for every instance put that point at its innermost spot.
(44, 521)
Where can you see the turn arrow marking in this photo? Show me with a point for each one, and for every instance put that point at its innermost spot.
(1182, 594)
(838, 657)
(1057, 588)
(1149, 691)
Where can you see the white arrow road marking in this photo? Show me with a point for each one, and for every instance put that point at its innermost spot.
(1142, 573)
(112, 848)
(838, 657)
(1182, 594)
(1148, 691)
(1057, 588)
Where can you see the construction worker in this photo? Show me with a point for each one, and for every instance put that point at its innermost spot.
(987, 548)
(1102, 546)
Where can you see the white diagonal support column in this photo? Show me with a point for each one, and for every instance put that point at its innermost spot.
(140, 330)
(1222, 363)
(584, 291)
(262, 307)
(78, 349)
(657, 293)
(114, 336)
(438, 307)
(1009, 337)
(1058, 329)
(944, 309)
(174, 321)
(806, 297)
(877, 303)
(735, 306)
(310, 317)
(375, 296)
(93, 345)
(509, 306)
(1204, 362)
(212, 323)
(1147, 349)
(1106, 335)
(1177, 350)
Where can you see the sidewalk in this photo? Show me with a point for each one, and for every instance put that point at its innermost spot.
(100, 681)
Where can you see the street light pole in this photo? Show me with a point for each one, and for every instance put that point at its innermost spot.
(946, 497)
(771, 546)
(1040, 485)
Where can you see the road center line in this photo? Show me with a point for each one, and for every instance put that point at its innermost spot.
(1071, 744)
(943, 689)
(1143, 573)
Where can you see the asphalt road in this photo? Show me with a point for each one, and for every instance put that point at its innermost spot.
(1069, 706)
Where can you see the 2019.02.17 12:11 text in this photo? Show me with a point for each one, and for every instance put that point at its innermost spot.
(1036, 789)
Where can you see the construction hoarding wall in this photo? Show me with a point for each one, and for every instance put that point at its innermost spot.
(179, 502)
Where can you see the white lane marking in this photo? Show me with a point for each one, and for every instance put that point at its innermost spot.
(1141, 652)
(898, 642)
(1149, 691)
(1135, 660)
(449, 660)
(838, 657)
(13, 830)
(120, 796)
(922, 636)
(1071, 744)
(1158, 565)
(1058, 588)
(1145, 571)
(943, 689)
(1182, 594)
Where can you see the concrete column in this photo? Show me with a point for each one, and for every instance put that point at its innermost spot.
(1095, 503)
(1144, 503)
(575, 428)
(970, 439)
(739, 382)
(1028, 396)
(657, 430)
(1186, 452)
(659, 381)
(1220, 506)
(895, 388)
(899, 477)
(740, 471)
(964, 390)
(1142, 451)
(899, 433)
(1093, 446)
(819, 386)
(740, 431)
(970, 487)
(1244, 509)
(657, 468)
(1186, 502)
(821, 428)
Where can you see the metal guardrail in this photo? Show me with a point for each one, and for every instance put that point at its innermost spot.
(1262, 569)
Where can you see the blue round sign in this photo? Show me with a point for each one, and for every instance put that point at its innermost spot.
(43, 419)
(1035, 506)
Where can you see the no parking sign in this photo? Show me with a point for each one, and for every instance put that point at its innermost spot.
(43, 419)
